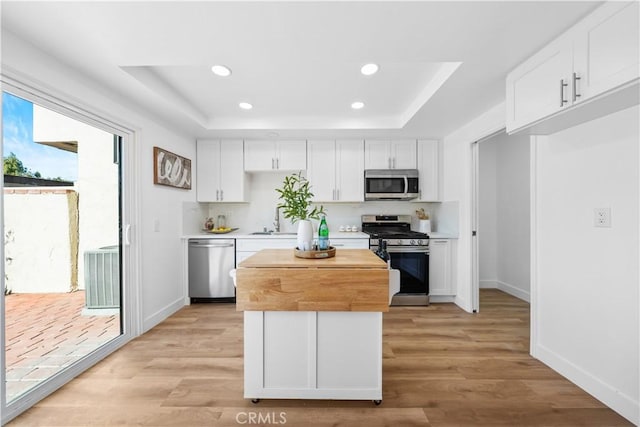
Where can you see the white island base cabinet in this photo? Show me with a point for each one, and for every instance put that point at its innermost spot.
(313, 355)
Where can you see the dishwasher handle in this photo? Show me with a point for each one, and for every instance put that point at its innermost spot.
(210, 245)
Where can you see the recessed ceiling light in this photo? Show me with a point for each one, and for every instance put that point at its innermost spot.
(221, 70)
(245, 106)
(357, 105)
(369, 69)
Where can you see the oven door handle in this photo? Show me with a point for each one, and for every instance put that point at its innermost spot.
(406, 185)
(406, 250)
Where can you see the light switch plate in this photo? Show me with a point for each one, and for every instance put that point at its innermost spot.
(602, 217)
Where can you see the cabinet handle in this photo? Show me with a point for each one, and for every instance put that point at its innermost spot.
(576, 95)
(221, 195)
(277, 163)
(273, 163)
(562, 86)
(217, 194)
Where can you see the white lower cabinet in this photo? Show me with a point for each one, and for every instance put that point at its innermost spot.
(247, 247)
(313, 355)
(441, 267)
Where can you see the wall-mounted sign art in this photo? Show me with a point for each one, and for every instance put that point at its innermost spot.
(171, 169)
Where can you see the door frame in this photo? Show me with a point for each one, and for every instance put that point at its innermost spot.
(475, 217)
(131, 312)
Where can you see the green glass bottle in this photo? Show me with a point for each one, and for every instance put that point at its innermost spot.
(323, 235)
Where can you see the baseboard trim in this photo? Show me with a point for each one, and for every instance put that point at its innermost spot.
(162, 314)
(514, 291)
(607, 394)
(488, 284)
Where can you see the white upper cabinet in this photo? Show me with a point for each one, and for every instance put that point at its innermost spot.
(539, 87)
(220, 175)
(607, 49)
(597, 56)
(275, 155)
(350, 170)
(336, 170)
(399, 154)
(429, 170)
(321, 169)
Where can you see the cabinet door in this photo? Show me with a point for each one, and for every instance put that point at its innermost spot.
(607, 48)
(428, 167)
(259, 156)
(291, 156)
(440, 267)
(321, 169)
(232, 175)
(376, 155)
(208, 170)
(403, 154)
(350, 170)
(534, 89)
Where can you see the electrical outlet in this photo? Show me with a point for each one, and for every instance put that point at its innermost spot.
(602, 217)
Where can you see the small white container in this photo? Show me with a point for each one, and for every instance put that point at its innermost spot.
(347, 228)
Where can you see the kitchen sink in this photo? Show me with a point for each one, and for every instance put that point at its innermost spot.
(272, 233)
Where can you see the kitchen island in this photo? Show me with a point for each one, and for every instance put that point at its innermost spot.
(313, 327)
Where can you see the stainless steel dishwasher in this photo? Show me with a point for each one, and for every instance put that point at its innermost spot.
(210, 261)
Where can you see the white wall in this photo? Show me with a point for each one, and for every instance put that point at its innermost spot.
(487, 215)
(504, 226)
(160, 271)
(37, 264)
(587, 278)
(513, 215)
(97, 183)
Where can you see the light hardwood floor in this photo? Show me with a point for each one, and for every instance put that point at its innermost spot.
(442, 367)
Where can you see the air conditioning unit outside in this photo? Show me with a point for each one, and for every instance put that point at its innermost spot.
(102, 277)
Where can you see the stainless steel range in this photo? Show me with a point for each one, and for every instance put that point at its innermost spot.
(408, 252)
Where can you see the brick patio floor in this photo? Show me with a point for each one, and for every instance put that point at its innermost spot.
(48, 332)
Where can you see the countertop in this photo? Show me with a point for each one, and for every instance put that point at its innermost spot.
(243, 234)
(276, 280)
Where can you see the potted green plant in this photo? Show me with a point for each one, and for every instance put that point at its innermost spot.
(296, 205)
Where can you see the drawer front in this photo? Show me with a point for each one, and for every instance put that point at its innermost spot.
(350, 243)
(255, 245)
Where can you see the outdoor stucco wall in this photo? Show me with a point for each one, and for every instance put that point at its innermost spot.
(38, 242)
(97, 183)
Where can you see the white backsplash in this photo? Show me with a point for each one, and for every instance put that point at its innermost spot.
(260, 212)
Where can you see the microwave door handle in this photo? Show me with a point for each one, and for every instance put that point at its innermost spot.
(406, 185)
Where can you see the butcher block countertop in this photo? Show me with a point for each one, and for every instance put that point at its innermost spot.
(276, 280)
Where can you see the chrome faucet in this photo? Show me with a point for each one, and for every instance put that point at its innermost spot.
(276, 221)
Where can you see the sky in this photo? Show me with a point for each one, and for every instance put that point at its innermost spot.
(17, 137)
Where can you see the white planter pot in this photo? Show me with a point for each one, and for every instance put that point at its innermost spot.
(305, 234)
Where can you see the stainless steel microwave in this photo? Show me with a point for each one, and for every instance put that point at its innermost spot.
(391, 184)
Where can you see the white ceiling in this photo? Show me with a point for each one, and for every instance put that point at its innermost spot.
(298, 63)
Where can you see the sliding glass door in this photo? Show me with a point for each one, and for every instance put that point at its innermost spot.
(62, 221)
